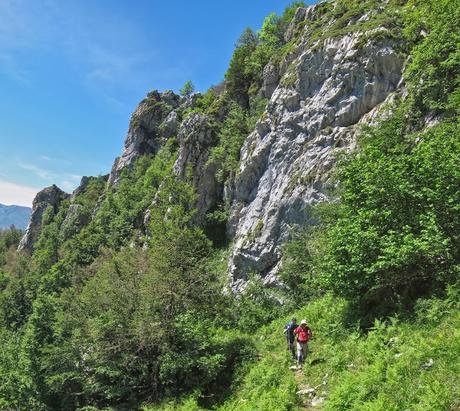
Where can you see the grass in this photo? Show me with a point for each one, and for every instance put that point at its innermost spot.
(408, 364)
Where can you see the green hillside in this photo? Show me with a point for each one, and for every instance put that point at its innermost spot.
(397, 364)
(107, 315)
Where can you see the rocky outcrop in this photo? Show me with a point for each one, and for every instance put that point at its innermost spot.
(319, 95)
(196, 137)
(151, 124)
(78, 215)
(48, 198)
(286, 163)
(271, 77)
(81, 188)
(75, 219)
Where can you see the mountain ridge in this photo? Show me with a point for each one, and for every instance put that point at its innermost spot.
(311, 107)
(319, 179)
(15, 215)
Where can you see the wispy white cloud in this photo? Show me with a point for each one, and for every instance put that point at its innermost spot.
(106, 50)
(67, 181)
(39, 172)
(49, 159)
(17, 194)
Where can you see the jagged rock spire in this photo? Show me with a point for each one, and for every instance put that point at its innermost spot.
(49, 197)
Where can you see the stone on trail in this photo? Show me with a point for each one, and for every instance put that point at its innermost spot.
(306, 391)
(317, 401)
(428, 364)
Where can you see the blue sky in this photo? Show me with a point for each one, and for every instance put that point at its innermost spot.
(72, 72)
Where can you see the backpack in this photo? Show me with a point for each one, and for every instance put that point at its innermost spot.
(303, 336)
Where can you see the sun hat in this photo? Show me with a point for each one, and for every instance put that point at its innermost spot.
(303, 322)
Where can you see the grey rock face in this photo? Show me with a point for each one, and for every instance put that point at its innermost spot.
(74, 220)
(271, 78)
(71, 219)
(196, 138)
(145, 134)
(299, 17)
(81, 188)
(171, 124)
(286, 163)
(48, 197)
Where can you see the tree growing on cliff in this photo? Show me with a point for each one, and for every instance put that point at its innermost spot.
(188, 89)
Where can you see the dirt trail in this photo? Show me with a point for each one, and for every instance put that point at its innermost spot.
(306, 399)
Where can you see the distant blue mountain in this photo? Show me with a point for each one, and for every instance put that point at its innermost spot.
(14, 215)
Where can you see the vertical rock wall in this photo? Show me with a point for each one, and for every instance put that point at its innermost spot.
(314, 113)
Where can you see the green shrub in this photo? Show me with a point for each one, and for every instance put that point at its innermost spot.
(434, 70)
(187, 89)
(243, 78)
(226, 155)
(398, 235)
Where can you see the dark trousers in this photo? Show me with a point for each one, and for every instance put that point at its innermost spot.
(291, 347)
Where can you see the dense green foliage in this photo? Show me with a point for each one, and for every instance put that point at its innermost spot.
(394, 236)
(13, 301)
(97, 320)
(188, 89)
(253, 51)
(121, 303)
(397, 236)
(9, 238)
(434, 72)
(231, 138)
(388, 368)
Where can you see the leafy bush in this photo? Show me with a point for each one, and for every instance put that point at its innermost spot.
(257, 305)
(9, 238)
(434, 70)
(398, 236)
(231, 138)
(253, 51)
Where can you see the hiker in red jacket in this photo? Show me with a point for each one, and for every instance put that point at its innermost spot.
(303, 334)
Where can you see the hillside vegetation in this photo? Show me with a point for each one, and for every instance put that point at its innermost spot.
(397, 364)
(105, 316)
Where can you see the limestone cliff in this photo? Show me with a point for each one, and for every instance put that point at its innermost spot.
(324, 94)
(333, 79)
(196, 137)
(48, 198)
(153, 121)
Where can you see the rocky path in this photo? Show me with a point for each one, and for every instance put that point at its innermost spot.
(311, 397)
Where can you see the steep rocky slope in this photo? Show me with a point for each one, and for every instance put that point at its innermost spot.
(123, 298)
(151, 124)
(324, 95)
(319, 95)
(50, 199)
